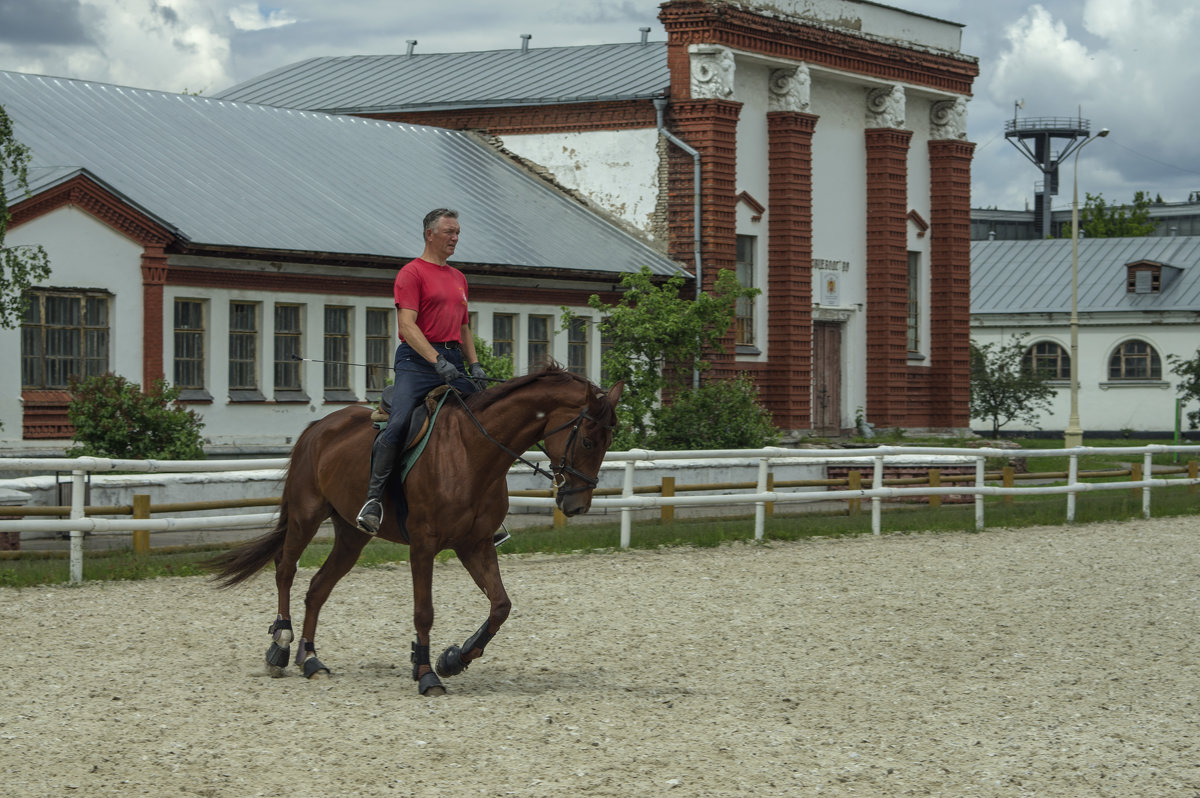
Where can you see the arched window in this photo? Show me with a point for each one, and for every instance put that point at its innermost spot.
(1049, 360)
(1134, 360)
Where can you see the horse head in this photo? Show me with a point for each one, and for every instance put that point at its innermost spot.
(577, 447)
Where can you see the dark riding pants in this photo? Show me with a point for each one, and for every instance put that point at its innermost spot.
(415, 378)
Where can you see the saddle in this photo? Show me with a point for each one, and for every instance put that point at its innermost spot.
(418, 421)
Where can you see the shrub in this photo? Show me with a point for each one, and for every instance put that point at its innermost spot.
(115, 418)
(723, 414)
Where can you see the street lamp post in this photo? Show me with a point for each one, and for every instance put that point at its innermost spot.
(1073, 434)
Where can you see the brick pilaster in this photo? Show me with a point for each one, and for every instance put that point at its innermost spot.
(887, 275)
(950, 291)
(154, 277)
(710, 126)
(787, 381)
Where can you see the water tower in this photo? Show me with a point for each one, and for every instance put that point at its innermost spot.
(1037, 138)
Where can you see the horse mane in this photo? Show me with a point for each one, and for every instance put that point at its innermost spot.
(552, 374)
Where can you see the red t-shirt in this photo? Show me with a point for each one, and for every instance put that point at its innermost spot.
(439, 296)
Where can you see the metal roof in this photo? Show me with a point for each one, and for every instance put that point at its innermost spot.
(434, 81)
(1035, 276)
(231, 174)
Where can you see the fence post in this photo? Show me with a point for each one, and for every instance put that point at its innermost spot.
(666, 513)
(877, 501)
(141, 510)
(980, 475)
(77, 489)
(771, 489)
(1135, 475)
(1148, 470)
(935, 481)
(760, 508)
(1008, 475)
(854, 482)
(626, 512)
(1193, 473)
(560, 518)
(1072, 480)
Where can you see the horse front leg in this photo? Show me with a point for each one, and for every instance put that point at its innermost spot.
(481, 562)
(421, 564)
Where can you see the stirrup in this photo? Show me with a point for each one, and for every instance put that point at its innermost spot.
(364, 521)
(501, 537)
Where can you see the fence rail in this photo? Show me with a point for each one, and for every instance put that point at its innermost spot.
(763, 493)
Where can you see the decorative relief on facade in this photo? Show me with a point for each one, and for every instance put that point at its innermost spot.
(885, 107)
(790, 89)
(948, 119)
(712, 72)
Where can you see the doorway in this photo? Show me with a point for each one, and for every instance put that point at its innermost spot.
(827, 378)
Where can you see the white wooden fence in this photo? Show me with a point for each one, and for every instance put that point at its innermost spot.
(77, 524)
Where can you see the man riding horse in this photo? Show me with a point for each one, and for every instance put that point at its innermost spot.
(435, 342)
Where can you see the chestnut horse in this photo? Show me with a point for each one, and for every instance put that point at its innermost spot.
(457, 497)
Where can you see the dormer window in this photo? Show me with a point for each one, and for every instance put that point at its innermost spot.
(1143, 278)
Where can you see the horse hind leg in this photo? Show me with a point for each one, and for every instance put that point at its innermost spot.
(280, 650)
(348, 544)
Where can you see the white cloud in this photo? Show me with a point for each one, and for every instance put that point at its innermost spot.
(251, 16)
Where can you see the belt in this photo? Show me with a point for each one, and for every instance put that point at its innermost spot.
(446, 344)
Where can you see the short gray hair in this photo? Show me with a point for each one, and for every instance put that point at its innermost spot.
(431, 218)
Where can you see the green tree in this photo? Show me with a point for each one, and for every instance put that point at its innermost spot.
(722, 414)
(1188, 372)
(114, 418)
(24, 265)
(1098, 219)
(1003, 388)
(658, 336)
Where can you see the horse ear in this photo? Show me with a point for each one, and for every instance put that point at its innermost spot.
(614, 393)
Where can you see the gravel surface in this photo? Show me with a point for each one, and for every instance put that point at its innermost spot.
(1052, 661)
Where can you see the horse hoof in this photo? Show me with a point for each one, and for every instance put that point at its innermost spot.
(315, 669)
(277, 660)
(450, 663)
(430, 685)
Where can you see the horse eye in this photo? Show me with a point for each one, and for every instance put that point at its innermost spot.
(587, 443)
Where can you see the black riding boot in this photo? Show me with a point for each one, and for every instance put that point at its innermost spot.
(383, 457)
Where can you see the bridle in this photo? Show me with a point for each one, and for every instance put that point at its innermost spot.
(559, 473)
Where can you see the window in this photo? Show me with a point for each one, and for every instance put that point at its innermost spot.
(189, 346)
(744, 311)
(1048, 360)
(337, 350)
(577, 345)
(539, 340)
(243, 348)
(379, 348)
(1145, 279)
(914, 302)
(1135, 360)
(64, 335)
(288, 347)
(503, 325)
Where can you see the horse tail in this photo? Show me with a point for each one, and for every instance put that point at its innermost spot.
(239, 564)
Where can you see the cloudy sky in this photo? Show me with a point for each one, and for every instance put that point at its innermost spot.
(1124, 64)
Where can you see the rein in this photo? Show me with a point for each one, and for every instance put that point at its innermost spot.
(557, 474)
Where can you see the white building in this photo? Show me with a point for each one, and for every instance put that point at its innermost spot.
(1138, 304)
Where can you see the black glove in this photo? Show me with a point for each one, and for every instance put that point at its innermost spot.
(446, 369)
(477, 372)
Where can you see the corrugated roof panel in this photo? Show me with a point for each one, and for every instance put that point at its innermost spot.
(1035, 276)
(379, 83)
(252, 176)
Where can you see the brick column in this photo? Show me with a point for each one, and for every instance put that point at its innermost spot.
(710, 126)
(154, 276)
(887, 274)
(787, 382)
(950, 292)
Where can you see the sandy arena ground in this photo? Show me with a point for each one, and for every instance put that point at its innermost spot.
(1052, 661)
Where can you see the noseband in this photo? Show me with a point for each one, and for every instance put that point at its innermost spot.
(564, 468)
